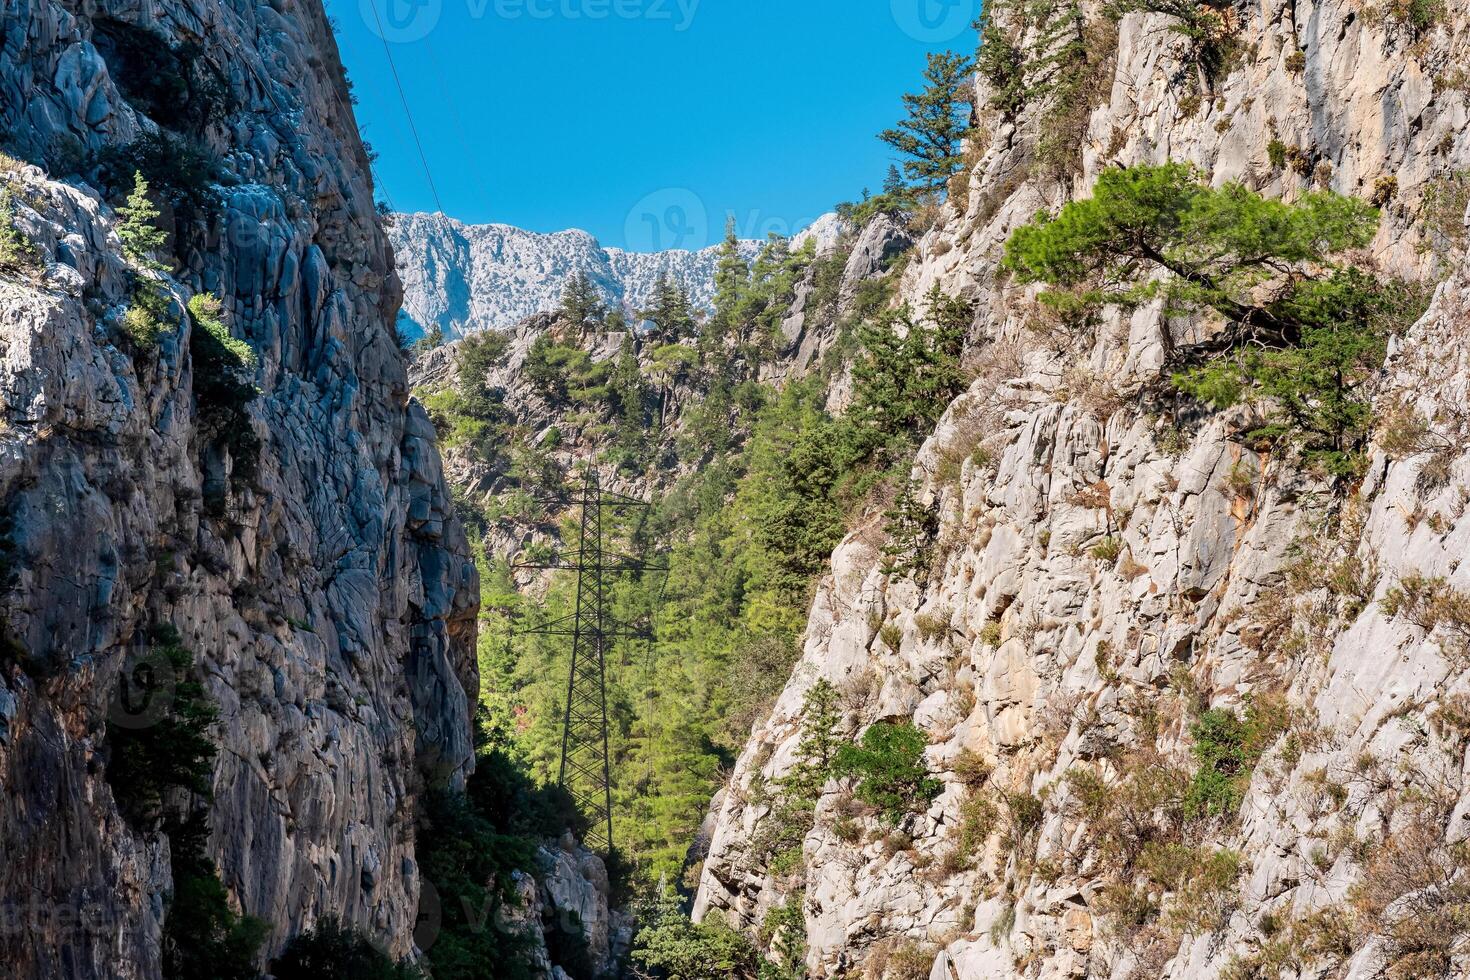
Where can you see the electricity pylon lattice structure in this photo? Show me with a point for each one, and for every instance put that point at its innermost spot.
(586, 766)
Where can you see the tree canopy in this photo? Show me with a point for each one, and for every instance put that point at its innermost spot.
(932, 135)
(581, 302)
(1304, 330)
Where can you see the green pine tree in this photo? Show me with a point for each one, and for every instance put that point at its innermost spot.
(932, 137)
(671, 311)
(1002, 63)
(1303, 327)
(819, 743)
(581, 303)
(732, 286)
(138, 229)
(893, 184)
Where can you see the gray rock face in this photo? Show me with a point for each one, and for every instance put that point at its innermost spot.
(1041, 655)
(882, 240)
(324, 587)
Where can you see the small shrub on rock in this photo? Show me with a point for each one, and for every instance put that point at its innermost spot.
(889, 765)
(678, 949)
(1228, 746)
(17, 254)
(147, 317)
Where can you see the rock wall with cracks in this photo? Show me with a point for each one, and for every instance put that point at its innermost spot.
(1050, 673)
(329, 595)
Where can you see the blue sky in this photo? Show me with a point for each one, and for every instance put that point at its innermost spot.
(645, 122)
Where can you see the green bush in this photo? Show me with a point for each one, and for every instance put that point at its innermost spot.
(783, 932)
(565, 374)
(677, 949)
(222, 363)
(472, 412)
(470, 863)
(1227, 747)
(150, 314)
(469, 846)
(1417, 17)
(223, 386)
(888, 763)
(1276, 152)
(331, 950)
(910, 371)
(17, 254)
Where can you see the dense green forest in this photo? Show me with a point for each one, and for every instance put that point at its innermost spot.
(773, 481)
(753, 483)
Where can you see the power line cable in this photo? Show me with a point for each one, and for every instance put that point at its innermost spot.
(381, 185)
(449, 100)
(403, 97)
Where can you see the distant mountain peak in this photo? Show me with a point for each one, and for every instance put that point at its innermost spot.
(464, 278)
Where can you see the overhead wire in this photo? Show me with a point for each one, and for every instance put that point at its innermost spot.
(407, 111)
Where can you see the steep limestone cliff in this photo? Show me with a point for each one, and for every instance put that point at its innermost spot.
(1109, 567)
(306, 555)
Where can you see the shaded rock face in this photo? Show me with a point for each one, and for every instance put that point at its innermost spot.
(1028, 653)
(321, 582)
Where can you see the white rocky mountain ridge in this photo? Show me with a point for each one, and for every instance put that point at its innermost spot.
(462, 277)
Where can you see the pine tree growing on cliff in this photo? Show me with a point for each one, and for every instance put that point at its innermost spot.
(1306, 332)
(932, 137)
(819, 743)
(732, 285)
(671, 310)
(581, 303)
(138, 229)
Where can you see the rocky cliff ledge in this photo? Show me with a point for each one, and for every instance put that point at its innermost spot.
(306, 555)
(1114, 575)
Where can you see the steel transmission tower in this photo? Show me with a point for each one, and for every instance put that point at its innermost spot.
(586, 765)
